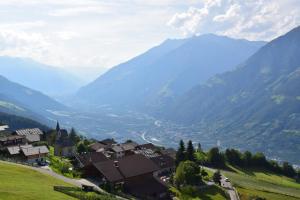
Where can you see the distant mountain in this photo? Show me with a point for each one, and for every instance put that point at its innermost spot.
(256, 106)
(16, 122)
(19, 100)
(166, 71)
(47, 79)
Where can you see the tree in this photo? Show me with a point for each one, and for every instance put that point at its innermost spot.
(215, 158)
(187, 173)
(217, 177)
(74, 137)
(233, 157)
(288, 170)
(81, 148)
(180, 154)
(190, 151)
(199, 148)
(259, 160)
(247, 158)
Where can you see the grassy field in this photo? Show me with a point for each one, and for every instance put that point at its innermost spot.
(263, 184)
(211, 193)
(17, 182)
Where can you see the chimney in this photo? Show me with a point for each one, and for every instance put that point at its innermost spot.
(116, 163)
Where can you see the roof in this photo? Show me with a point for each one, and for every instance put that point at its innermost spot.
(135, 165)
(33, 138)
(164, 161)
(92, 157)
(148, 146)
(129, 146)
(117, 148)
(14, 150)
(149, 153)
(35, 150)
(11, 137)
(97, 146)
(170, 152)
(32, 131)
(126, 167)
(109, 171)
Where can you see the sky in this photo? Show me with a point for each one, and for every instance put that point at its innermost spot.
(87, 37)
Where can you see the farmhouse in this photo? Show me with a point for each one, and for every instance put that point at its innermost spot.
(31, 135)
(35, 154)
(11, 140)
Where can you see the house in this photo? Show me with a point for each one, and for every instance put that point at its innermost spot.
(170, 152)
(35, 154)
(165, 163)
(86, 161)
(124, 149)
(11, 140)
(98, 147)
(3, 127)
(16, 150)
(31, 135)
(63, 146)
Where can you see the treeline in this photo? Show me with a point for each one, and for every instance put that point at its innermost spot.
(17, 122)
(218, 159)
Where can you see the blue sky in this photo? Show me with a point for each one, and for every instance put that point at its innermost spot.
(90, 36)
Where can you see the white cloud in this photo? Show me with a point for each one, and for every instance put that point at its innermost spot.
(255, 20)
(97, 34)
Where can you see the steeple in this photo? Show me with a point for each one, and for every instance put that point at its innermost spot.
(58, 133)
(57, 127)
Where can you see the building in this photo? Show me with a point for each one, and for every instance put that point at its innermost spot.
(31, 135)
(165, 163)
(12, 140)
(35, 154)
(63, 146)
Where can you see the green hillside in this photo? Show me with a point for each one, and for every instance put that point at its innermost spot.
(21, 183)
(263, 184)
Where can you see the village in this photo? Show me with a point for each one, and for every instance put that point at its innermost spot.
(139, 170)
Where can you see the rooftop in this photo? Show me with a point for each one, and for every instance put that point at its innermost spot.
(35, 150)
(32, 131)
(14, 150)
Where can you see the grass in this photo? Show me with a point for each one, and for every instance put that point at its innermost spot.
(18, 182)
(210, 193)
(263, 184)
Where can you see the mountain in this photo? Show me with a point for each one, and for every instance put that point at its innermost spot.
(20, 100)
(166, 71)
(47, 79)
(16, 122)
(256, 106)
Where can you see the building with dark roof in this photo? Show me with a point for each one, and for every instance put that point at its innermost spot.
(12, 140)
(165, 163)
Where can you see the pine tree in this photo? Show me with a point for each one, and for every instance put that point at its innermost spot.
(180, 154)
(190, 151)
(199, 148)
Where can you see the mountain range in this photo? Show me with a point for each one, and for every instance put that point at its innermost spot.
(256, 106)
(47, 79)
(23, 101)
(166, 71)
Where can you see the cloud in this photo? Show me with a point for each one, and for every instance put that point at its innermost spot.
(254, 20)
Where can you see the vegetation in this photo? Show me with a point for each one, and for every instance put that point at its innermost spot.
(187, 173)
(83, 195)
(192, 193)
(62, 165)
(28, 184)
(263, 183)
